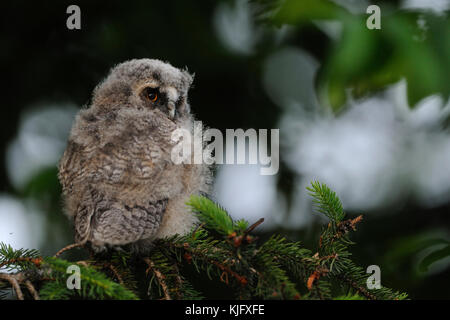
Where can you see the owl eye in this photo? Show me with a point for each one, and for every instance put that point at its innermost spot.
(152, 94)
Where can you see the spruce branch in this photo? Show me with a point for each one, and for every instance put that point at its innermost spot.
(159, 276)
(326, 201)
(212, 214)
(219, 248)
(11, 259)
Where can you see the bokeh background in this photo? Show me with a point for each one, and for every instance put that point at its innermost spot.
(365, 111)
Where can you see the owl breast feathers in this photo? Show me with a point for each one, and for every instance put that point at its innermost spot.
(119, 183)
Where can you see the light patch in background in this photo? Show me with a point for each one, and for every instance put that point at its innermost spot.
(438, 6)
(377, 153)
(432, 174)
(333, 29)
(246, 194)
(354, 154)
(235, 27)
(288, 79)
(299, 213)
(354, 6)
(42, 137)
(21, 223)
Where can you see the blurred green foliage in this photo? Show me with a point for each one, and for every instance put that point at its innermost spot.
(368, 60)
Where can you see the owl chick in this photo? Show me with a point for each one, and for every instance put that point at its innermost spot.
(119, 183)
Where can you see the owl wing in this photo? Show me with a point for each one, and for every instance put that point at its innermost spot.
(115, 163)
(85, 173)
(73, 178)
(133, 160)
(103, 221)
(71, 167)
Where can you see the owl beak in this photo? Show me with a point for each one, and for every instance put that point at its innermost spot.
(172, 109)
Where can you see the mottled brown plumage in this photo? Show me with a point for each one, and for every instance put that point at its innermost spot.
(119, 183)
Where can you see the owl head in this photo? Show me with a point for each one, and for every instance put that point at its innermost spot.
(145, 84)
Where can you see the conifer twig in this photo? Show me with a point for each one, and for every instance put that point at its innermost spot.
(12, 279)
(241, 279)
(358, 288)
(198, 228)
(159, 276)
(179, 281)
(70, 246)
(35, 261)
(111, 267)
(32, 290)
(253, 226)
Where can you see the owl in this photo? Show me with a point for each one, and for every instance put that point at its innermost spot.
(119, 183)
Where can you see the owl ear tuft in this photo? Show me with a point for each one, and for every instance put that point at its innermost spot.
(188, 78)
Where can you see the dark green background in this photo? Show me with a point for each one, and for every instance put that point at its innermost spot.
(42, 61)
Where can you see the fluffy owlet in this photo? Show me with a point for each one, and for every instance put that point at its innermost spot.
(119, 182)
